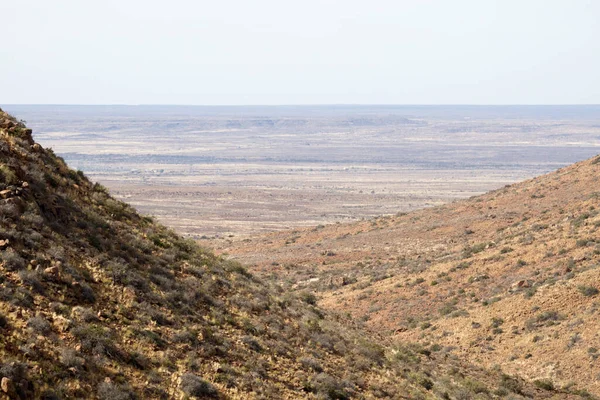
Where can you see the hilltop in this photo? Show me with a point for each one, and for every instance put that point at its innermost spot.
(509, 279)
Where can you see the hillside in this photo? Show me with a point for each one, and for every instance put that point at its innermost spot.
(508, 279)
(97, 301)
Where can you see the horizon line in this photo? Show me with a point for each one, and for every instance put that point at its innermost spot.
(308, 105)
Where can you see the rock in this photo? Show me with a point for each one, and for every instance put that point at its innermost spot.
(78, 313)
(337, 281)
(522, 284)
(63, 324)
(128, 296)
(4, 243)
(5, 193)
(51, 272)
(25, 185)
(6, 384)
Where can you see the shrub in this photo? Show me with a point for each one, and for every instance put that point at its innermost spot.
(17, 373)
(308, 298)
(97, 340)
(71, 359)
(32, 279)
(39, 325)
(588, 291)
(372, 351)
(311, 363)
(326, 386)
(85, 293)
(111, 391)
(548, 316)
(447, 309)
(476, 386)
(7, 175)
(511, 384)
(545, 384)
(252, 343)
(193, 385)
(496, 322)
(12, 260)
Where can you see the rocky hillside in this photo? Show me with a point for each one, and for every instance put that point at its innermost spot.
(508, 279)
(97, 301)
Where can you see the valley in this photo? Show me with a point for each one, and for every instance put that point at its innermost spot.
(468, 295)
(214, 172)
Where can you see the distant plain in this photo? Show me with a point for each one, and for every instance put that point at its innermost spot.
(221, 172)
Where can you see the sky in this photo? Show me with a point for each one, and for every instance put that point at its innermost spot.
(241, 52)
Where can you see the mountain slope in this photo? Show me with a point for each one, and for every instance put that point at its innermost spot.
(97, 301)
(507, 279)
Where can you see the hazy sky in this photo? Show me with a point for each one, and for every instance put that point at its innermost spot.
(300, 52)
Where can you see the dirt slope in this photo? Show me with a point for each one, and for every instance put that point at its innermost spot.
(509, 279)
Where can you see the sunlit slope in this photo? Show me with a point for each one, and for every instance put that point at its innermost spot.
(506, 279)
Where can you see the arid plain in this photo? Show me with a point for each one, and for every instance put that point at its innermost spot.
(219, 173)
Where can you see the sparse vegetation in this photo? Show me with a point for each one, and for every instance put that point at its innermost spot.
(544, 384)
(588, 291)
(193, 385)
(116, 306)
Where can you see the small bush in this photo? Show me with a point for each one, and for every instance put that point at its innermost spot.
(588, 291)
(544, 384)
(7, 176)
(252, 343)
(511, 384)
(39, 325)
(496, 322)
(71, 359)
(308, 298)
(328, 387)
(17, 373)
(111, 391)
(32, 279)
(97, 340)
(476, 386)
(311, 364)
(548, 316)
(193, 385)
(12, 260)
(447, 309)
(86, 293)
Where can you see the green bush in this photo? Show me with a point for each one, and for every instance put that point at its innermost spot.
(193, 385)
(588, 291)
(545, 384)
